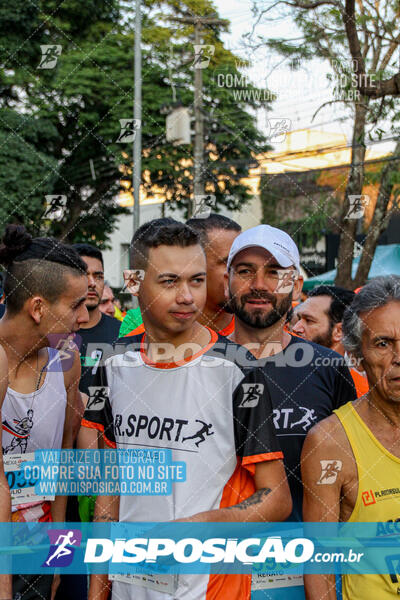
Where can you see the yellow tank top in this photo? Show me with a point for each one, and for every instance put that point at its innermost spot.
(378, 499)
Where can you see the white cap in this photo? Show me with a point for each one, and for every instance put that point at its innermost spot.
(276, 241)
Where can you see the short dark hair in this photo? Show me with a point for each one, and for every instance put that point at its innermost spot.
(213, 221)
(340, 300)
(160, 232)
(35, 266)
(89, 250)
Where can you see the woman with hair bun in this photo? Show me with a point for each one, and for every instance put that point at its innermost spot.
(45, 287)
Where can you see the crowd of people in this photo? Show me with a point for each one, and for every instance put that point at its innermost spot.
(282, 409)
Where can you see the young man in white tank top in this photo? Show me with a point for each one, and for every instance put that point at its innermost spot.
(45, 287)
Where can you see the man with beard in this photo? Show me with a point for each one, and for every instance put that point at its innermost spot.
(320, 316)
(217, 234)
(306, 381)
(320, 321)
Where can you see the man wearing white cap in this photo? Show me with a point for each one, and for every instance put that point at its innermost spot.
(306, 381)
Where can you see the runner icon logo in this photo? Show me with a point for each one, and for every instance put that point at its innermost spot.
(329, 471)
(202, 55)
(50, 54)
(129, 127)
(97, 397)
(60, 552)
(20, 429)
(251, 394)
(306, 420)
(205, 430)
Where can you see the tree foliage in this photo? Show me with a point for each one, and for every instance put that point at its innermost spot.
(60, 126)
(361, 42)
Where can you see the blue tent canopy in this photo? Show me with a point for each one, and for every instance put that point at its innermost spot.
(386, 261)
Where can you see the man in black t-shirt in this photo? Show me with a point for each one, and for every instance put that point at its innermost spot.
(101, 331)
(306, 381)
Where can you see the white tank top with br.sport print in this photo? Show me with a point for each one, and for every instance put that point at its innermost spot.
(35, 421)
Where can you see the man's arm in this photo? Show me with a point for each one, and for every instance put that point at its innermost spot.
(106, 510)
(270, 502)
(88, 439)
(322, 491)
(73, 417)
(5, 497)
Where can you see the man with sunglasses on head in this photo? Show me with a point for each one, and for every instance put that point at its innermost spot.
(306, 381)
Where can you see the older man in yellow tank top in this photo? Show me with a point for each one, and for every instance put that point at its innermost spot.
(352, 457)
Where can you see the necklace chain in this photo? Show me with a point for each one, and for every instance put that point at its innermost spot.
(39, 378)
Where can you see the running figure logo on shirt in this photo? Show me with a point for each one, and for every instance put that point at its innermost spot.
(307, 419)
(251, 394)
(201, 433)
(97, 397)
(20, 431)
(329, 471)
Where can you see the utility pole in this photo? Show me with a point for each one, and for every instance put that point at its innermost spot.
(137, 115)
(198, 179)
(198, 154)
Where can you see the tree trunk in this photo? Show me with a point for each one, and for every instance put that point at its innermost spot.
(354, 188)
(380, 218)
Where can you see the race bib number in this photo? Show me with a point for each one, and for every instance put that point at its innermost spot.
(22, 489)
(168, 584)
(270, 581)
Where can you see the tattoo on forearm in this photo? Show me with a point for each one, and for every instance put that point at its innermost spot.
(256, 498)
(104, 518)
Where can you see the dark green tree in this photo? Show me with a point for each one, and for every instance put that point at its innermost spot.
(75, 109)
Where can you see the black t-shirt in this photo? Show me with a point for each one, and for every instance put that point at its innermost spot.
(2, 310)
(96, 346)
(306, 382)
